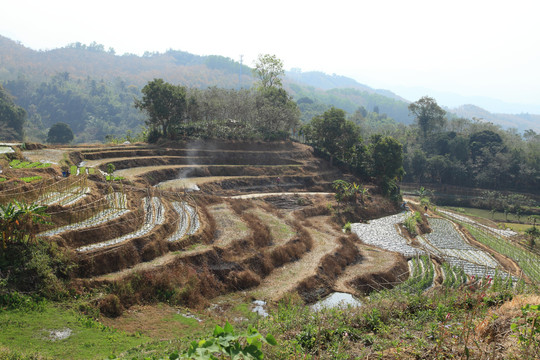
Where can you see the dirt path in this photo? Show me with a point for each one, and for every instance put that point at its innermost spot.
(287, 277)
(374, 261)
(260, 195)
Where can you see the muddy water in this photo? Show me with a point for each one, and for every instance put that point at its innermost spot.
(337, 299)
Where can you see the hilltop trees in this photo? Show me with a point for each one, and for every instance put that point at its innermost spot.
(164, 103)
(277, 112)
(333, 134)
(269, 69)
(380, 159)
(428, 115)
(267, 112)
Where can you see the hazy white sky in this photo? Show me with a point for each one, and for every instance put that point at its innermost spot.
(470, 47)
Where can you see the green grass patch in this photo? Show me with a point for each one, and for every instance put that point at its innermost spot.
(30, 179)
(528, 261)
(114, 178)
(486, 214)
(17, 164)
(2, 179)
(517, 227)
(38, 332)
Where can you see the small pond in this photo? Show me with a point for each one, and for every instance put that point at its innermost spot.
(336, 299)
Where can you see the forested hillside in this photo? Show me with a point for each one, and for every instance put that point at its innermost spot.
(92, 89)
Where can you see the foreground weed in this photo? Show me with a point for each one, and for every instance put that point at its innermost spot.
(226, 344)
(527, 330)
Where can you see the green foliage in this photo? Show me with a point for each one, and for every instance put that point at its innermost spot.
(348, 192)
(60, 133)
(164, 104)
(269, 70)
(527, 330)
(110, 168)
(30, 179)
(226, 344)
(113, 178)
(19, 220)
(17, 164)
(387, 158)
(12, 117)
(333, 134)
(429, 116)
(411, 222)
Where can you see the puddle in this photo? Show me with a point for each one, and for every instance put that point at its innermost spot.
(259, 307)
(6, 149)
(61, 334)
(336, 299)
(188, 315)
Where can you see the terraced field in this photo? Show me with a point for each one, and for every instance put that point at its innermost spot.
(217, 211)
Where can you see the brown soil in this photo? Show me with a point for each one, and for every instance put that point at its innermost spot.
(272, 246)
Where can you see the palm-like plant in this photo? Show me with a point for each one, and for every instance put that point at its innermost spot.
(18, 221)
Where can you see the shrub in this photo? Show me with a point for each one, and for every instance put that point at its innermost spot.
(111, 306)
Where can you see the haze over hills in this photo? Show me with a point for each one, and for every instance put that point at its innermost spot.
(94, 62)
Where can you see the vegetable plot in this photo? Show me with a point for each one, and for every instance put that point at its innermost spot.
(500, 232)
(112, 212)
(188, 221)
(456, 251)
(153, 216)
(382, 233)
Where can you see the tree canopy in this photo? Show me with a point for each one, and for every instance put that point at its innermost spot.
(60, 133)
(428, 115)
(269, 70)
(164, 103)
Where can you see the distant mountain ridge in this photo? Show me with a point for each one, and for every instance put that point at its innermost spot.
(519, 121)
(179, 67)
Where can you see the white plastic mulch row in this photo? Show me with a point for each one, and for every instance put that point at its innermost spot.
(97, 219)
(450, 245)
(501, 232)
(188, 222)
(153, 216)
(183, 221)
(382, 233)
(66, 198)
(194, 219)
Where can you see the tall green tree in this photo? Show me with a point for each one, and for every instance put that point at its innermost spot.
(333, 134)
(12, 117)
(269, 70)
(277, 112)
(387, 158)
(164, 104)
(428, 115)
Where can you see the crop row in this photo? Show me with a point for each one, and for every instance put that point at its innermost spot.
(528, 261)
(112, 212)
(421, 274)
(17, 164)
(451, 246)
(188, 221)
(153, 216)
(382, 233)
(453, 276)
(500, 232)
